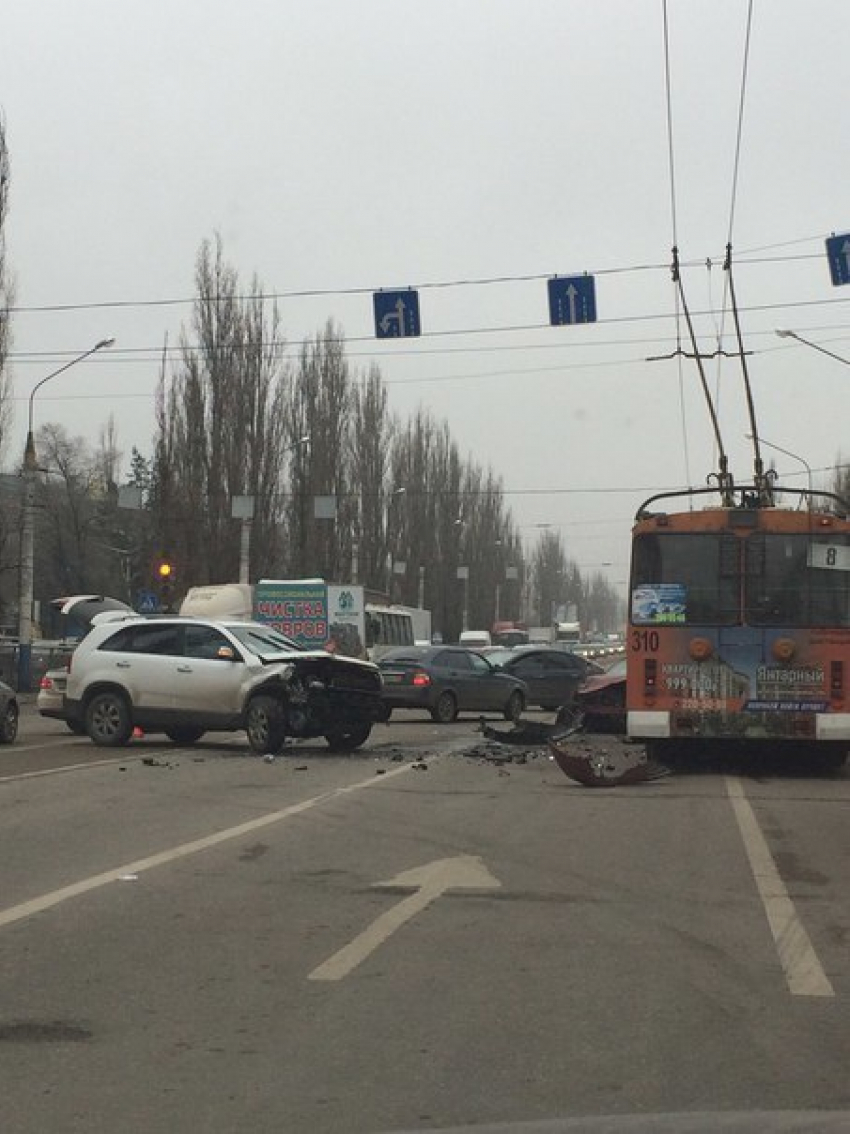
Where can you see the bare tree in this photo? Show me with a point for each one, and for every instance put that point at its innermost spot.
(320, 409)
(221, 430)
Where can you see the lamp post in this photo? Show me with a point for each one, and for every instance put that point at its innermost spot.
(787, 453)
(394, 495)
(25, 602)
(785, 334)
(242, 509)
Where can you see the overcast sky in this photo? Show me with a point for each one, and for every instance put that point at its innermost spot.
(345, 144)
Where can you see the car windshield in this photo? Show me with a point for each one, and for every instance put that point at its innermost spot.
(262, 640)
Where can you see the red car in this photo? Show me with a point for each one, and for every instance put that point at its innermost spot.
(602, 699)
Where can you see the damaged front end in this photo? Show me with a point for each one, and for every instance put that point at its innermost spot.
(315, 694)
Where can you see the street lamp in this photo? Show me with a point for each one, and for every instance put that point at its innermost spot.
(787, 453)
(785, 334)
(242, 509)
(25, 603)
(394, 495)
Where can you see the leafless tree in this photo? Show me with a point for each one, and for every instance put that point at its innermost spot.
(221, 429)
(319, 408)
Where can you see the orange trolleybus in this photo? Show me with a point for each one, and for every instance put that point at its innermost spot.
(739, 623)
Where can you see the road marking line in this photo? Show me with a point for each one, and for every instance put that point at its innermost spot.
(54, 897)
(803, 971)
(64, 768)
(464, 872)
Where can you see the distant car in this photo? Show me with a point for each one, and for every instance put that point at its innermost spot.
(50, 701)
(551, 675)
(8, 714)
(447, 680)
(602, 699)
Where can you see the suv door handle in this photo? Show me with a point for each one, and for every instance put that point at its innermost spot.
(122, 665)
(184, 669)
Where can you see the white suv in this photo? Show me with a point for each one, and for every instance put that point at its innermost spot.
(188, 676)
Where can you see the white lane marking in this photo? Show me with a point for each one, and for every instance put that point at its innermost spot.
(65, 768)
(70, 739)
(803, 971)
(54, 897)
(429, 882)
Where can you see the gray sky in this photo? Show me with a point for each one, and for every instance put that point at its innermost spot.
(341, 144)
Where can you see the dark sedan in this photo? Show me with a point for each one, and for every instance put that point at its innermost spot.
(552, 675)
(446, 680)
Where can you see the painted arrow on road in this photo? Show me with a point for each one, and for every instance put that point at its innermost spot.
(465, 872)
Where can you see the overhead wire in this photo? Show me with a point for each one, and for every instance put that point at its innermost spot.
(429, 285)
(674, 225)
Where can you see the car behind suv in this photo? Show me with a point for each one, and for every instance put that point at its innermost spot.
(186, 676)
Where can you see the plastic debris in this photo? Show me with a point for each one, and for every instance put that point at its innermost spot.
(128, 878)
(268, 758)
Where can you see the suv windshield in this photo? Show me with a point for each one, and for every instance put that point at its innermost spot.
(263, 640)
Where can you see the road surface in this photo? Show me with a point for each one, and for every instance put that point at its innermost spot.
(409, 938)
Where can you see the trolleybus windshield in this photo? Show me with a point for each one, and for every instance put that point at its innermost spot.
(798, 580)
(685, 578)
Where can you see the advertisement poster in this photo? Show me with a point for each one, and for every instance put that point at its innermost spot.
(658, 602)
(297, 608)
(346, 621)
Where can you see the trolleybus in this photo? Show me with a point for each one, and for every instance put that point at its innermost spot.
(739, 623)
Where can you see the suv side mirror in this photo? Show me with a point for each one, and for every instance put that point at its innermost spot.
(226, 653)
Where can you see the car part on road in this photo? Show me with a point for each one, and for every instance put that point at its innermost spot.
(593, 768)
(9, 723)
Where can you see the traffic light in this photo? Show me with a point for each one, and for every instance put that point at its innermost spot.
(165, 575)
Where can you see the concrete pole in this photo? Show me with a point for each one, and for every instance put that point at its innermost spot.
(245, 552)
(25, 601)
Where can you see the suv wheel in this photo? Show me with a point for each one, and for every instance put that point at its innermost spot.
(265, 724)
(346, 740)
(108, 720)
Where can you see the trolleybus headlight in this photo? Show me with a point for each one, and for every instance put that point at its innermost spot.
(700, 649)
(784, 649)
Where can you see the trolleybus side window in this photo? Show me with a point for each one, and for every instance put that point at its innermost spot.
(703, 567)
(798, 580)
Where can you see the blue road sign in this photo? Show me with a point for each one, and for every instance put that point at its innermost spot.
(396, 314)
(147, 602)
(572, 299)
(838, 254)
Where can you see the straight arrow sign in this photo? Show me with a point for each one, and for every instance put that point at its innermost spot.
(465, 872)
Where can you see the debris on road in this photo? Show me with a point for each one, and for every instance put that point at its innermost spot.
(529, 733)
(594, 768)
